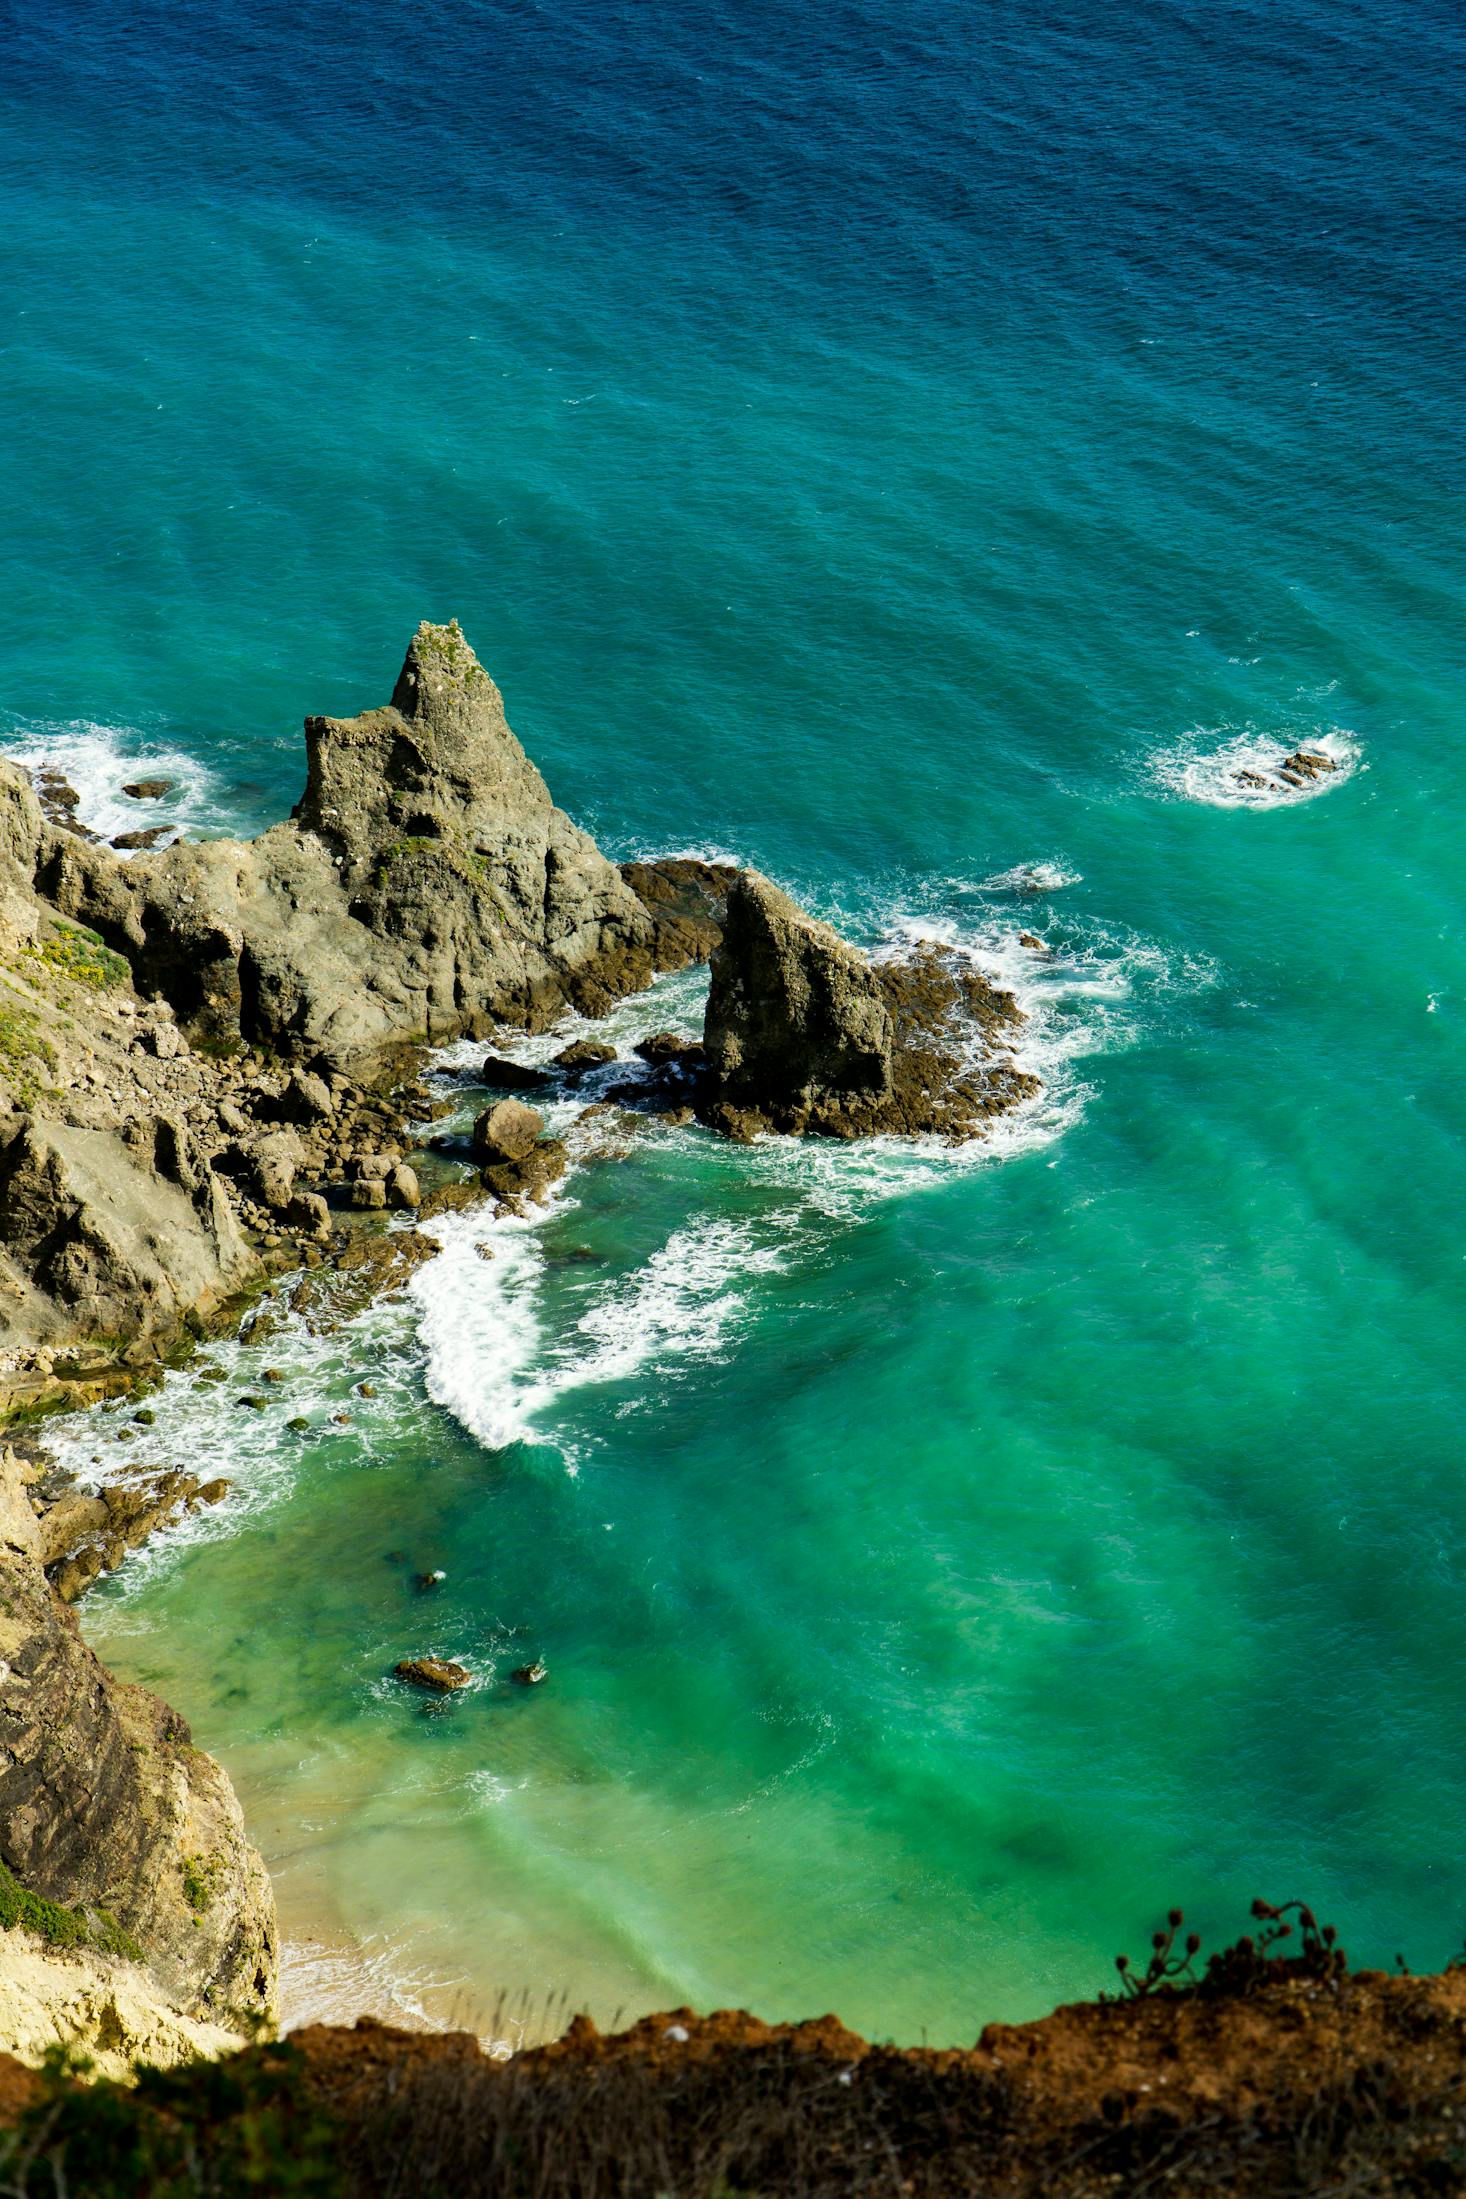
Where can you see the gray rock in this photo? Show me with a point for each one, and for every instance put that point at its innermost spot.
(797, 1022)
(307, 1098)
(107, 1235)
(309, 1213)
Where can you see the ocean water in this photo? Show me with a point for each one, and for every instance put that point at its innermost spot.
(914, 447)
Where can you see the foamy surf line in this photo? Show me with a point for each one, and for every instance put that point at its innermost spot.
(1245, 770)
(490, 1361)
(97, 761)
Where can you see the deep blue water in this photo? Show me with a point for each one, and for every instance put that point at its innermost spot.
(892, 443)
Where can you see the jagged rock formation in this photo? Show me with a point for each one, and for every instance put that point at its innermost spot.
(425, 884)
(687, 900)
(107, 1807)
(804, 1033)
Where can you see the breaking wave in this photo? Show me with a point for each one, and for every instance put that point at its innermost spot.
(1241, 770)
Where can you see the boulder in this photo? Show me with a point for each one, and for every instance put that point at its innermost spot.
(273, 1162)
(586, 1053)
(148, 838)
(403, 1189)
(306, 1098)
(309, 1213)
(438, 1674)
(506, 1132)
(148, 790)
(668, 1049)
(532, 1175)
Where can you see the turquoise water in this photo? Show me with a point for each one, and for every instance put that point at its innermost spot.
(893, 447)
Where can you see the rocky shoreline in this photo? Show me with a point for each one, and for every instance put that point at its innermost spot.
(212, 1078)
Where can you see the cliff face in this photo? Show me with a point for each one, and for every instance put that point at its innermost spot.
(107, 1808)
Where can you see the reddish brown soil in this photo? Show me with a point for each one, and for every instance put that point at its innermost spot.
(1296, 2085)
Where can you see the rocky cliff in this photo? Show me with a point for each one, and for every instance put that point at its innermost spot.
(110, 1819)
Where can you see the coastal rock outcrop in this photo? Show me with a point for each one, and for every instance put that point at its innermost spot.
(107, 1808)
(425, 885)
(805, 1034)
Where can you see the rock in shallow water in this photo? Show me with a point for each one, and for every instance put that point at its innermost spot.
(437, 1674)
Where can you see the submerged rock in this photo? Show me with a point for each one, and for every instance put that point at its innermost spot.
(513, 1076)
(530, 1675)
(586, 1053)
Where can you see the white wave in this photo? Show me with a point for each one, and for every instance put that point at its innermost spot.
(1208, 769)
(97, 760)
(1035, 878)
(479, 1323)
(489, 1360)
(322, 1983)
(681, 1305)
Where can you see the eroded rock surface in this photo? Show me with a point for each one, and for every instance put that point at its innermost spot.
(108, 1808)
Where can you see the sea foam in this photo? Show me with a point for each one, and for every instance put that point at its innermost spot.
(1206, 766)
(97, 760)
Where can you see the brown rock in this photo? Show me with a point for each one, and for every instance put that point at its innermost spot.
(686, 900)
(506, 1132)
(586, 1053)
(148, 838)
(513, 1076)
(148, 790)
(437, 1674)
(403, 1189)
